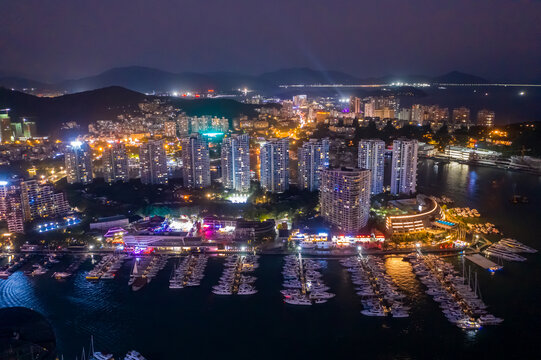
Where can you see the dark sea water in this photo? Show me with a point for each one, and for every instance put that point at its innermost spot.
(193, 323)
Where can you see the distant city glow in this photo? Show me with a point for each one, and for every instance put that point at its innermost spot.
(76, 144)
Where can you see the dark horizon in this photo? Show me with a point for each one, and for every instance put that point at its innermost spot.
(496, 40)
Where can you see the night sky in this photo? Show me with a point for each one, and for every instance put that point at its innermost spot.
(59, 39)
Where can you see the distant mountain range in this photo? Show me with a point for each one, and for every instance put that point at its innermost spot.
(148, 80)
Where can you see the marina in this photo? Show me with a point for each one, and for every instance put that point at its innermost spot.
(303, 282)
(121, 319)
(106, 267)
(145, 269)
(379, 295)
(460, 304)
(14, 263)
(188, 272)
(236, 278)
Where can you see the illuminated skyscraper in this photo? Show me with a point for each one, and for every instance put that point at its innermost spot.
(115, 163)
(355, 105)
(344, 198)
(313, 157)
(153, 162)
(371, 157)
(236, 162)
(78, 159)
(206, 124)
(485, 118)
(195, 162)
(29, 128)
(461, 117)
(17, 130)
(170, 129)
(6, 132)
(40, 201)
(418, 114)
(404, 167)
(11, 209)
(183, 125)
(274, 160)
(299, 100)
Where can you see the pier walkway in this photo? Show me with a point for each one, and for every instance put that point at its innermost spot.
(483, 262)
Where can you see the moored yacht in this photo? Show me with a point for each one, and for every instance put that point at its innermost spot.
(134, 355)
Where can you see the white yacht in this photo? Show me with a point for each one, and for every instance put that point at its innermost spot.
(222, 292)
(373, 312)
(297, 301)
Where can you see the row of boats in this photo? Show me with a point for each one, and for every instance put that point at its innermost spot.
(509, 249)
(145, 269)
(379, 294)
(13, 265)
(98, 355)
(188, 272)
(460, 304)
(107, 267)
(466, 212)
(303, 284)
(236, 278)
(72, 268)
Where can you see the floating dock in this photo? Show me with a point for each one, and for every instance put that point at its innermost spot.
(484, 262)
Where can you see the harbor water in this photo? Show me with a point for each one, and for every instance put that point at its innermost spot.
(191, 323)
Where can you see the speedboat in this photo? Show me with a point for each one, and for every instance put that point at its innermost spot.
(101, 356)
(489, 320)
(61, 275)
(222, 292)
(134, 355)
